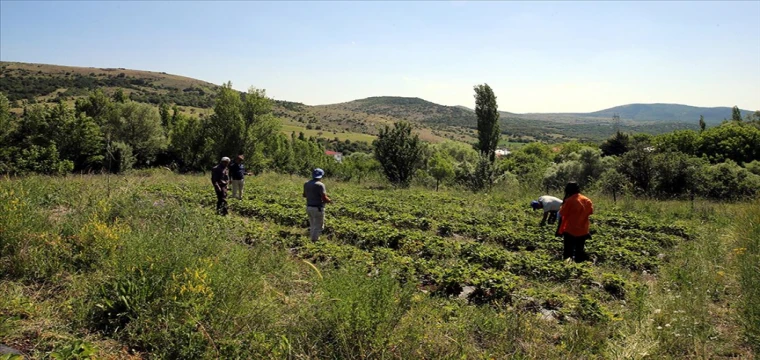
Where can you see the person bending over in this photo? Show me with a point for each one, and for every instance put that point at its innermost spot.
(550, 205)
(220, 176)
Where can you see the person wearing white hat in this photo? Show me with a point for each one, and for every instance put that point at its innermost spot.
(316, 197)
(220, 177)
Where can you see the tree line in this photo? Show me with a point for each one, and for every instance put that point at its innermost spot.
(114, 133)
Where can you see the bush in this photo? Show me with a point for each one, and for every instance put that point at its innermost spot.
(42, 160)
(677, 174)
(733, 140)
(590, 310)
(753, 167)
(614, 285)
(557, 175)
(729, 181)
(526, 165)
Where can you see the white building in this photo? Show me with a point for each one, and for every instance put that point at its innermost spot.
(336, 155)
(502, 152)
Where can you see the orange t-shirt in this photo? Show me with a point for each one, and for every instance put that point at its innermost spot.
(574, 214)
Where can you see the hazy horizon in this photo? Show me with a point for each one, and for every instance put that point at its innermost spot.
(539, 57)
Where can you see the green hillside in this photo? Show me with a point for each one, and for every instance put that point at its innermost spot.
(30, 83)
(41, 82)
(413, 109)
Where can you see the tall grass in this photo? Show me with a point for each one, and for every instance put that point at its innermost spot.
(747, 251)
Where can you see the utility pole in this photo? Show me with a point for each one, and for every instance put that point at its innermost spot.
(616, 122)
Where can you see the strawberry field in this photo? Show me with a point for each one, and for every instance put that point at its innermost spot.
(446, 242)
(140, 266)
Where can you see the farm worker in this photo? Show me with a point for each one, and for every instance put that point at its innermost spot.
(220, 175)
(573, 222)
(237, 173)
(551, 206)
(316, 197)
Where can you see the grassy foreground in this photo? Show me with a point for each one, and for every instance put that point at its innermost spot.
(143, 268)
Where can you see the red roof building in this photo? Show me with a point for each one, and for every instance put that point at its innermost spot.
(336, 155)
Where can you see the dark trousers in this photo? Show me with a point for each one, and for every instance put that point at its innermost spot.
(221, 201)
(575, 247)
(552, 217)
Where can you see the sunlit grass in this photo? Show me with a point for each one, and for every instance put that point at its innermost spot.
(140, 264)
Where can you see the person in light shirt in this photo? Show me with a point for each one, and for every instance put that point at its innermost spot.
(550, 205)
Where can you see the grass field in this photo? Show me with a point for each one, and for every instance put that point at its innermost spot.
(140, 266)
(288, 129)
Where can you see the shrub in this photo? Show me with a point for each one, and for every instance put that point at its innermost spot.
(614, 285)
(75, 350)
(43, 160)
(753, 167)
(677, 173)
(590, 310)
(557, 175)
(730, 181)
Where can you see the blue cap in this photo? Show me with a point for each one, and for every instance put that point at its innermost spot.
(535, 204)
(317, 173)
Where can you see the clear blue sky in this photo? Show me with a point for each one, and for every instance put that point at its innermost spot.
(537, 56)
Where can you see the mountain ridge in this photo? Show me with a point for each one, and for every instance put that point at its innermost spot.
(649, 112)
(28, 83)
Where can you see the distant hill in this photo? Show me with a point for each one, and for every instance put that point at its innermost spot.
(667, 112)
(412, 109)
(28, 83)
(520, 127)
(644, 113)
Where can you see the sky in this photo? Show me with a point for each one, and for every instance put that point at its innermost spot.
(537, 56)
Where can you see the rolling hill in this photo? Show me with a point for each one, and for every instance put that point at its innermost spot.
(659, 113)
(666, 112)
(359, 119)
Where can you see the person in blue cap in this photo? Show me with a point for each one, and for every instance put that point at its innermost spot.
(550, 205)
(316, 197)
(237, 175)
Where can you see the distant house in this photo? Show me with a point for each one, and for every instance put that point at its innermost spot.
(336, 155)
(502, 152)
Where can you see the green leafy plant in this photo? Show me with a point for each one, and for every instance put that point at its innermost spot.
(75, 350)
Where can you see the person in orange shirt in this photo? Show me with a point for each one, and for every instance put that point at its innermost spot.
(573, 222)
